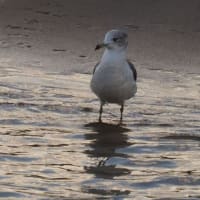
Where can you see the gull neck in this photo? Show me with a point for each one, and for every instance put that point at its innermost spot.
(113, 55)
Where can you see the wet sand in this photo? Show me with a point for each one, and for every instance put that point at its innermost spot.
(51, 146)
(60, 35)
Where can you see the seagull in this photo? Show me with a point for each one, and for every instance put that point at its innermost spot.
(114, 77)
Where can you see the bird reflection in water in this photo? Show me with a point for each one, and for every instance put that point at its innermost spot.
(106, 139)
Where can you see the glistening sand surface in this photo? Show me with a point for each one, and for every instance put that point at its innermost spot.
(52, 148)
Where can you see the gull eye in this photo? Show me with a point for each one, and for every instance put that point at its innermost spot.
(115, 39)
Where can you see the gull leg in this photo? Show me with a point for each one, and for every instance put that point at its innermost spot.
(121, 111)
(100, 111)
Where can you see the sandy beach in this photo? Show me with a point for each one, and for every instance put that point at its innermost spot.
(51, 145)
(61, 35)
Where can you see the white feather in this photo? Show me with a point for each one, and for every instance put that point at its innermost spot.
(113, 80)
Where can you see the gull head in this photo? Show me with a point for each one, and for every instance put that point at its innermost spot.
(114, 40)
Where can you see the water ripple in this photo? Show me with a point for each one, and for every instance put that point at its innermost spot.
(51, 146)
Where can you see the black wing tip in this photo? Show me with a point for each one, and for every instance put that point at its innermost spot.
(132, 67)
(95, 67)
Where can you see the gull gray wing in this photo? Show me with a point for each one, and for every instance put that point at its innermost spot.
(95, 67)
(132, 67)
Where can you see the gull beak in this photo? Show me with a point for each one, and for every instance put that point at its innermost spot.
(99, 46)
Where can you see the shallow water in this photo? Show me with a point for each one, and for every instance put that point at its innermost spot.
(51, 146)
